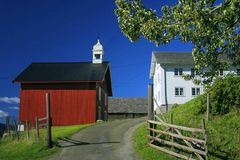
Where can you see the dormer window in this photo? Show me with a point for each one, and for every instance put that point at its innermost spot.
(178, 71)
(97, 56)
(220, 72)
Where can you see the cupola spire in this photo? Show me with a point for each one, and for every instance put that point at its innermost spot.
(98, 52)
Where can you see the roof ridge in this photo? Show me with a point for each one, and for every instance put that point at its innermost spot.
(174, 52)
(64, 62)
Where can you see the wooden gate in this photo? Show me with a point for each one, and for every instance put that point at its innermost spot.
(180, 141)
(170, 138)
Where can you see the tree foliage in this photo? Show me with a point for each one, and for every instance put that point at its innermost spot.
(212, 29)
(225, 94)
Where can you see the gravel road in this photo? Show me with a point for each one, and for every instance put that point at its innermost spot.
(107, 141)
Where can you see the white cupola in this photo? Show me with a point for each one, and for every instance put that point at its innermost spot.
(98, 53)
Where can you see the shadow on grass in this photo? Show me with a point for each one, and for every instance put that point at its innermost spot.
(72, 142)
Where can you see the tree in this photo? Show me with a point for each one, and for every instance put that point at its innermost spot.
(212, 28)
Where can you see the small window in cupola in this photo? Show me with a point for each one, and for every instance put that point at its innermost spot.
(97, 56)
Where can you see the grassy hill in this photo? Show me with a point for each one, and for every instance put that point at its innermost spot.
(223, 132)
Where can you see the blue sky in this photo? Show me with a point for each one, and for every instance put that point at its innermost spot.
(65, 31)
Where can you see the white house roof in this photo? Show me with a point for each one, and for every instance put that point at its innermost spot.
(170, 58)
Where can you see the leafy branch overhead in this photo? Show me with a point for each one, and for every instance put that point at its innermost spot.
(212, 28)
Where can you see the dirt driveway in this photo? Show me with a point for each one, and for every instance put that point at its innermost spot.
(108, 141)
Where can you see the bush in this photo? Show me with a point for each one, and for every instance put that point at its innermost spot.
(225, 94)
(201, 104)
(175, 105)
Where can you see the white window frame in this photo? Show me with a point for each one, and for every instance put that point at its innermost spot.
(177, 71)
(221, 72)
(196, 93)
(179, 91)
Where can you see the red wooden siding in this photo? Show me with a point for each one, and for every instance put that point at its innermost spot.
(68, 107)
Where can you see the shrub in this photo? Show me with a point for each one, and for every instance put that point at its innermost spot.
(175, 105)
(225, 94)
(201, 104)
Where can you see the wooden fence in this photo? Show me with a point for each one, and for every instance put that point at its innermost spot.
(11, 128)
(180, 141)
(178, 137)
(46, 122)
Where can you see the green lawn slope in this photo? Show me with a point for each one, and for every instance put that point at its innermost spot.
(223, 132)
(32, 149)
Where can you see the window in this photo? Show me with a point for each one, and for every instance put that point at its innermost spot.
(97, 56)
(221, 72)
(178, 71)
(179, 91)
(238, 71)
(195, 91)
(175, 71)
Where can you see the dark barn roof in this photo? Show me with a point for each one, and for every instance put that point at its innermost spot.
(75, 71)
(127, 105)
(65, 72)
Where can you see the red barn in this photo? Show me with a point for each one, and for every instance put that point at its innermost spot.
(78, 91)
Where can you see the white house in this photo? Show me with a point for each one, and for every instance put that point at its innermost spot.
(169, 86)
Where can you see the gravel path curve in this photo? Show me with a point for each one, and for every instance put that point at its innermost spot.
(107, 141)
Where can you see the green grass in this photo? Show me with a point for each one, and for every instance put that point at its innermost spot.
(31, 149)
(223, 132)
(147, 153)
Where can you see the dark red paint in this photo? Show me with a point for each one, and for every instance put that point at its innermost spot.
(68, 106)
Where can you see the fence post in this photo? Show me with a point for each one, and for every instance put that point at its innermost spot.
(208, 105)
(150, 106)
(27, 128)
(205, 137)
(8, 124)
(37, 127)
(171, 122)
(49, 121)
(16, 129)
